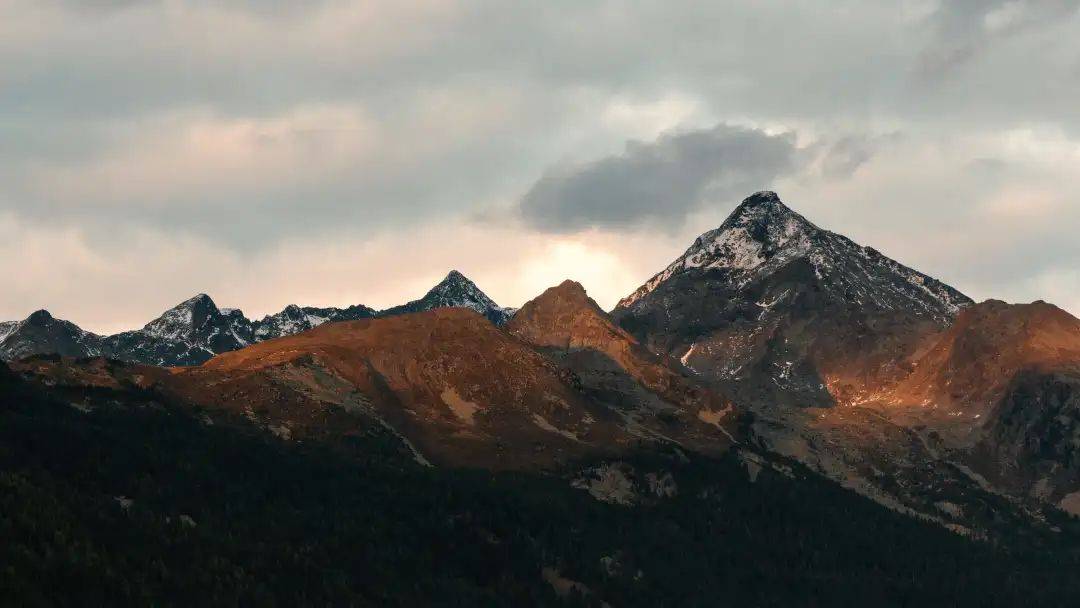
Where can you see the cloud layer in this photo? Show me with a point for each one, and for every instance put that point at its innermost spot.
(289, 148)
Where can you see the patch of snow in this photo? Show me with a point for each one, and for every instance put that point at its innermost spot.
(7, 328)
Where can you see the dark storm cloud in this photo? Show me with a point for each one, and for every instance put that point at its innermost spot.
(659, 181)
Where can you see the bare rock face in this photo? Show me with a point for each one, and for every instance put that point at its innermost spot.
(785, 312)
(1008, 376)
(970, 366)
(656, 395)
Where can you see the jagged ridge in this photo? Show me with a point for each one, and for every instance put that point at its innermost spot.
(196, 330)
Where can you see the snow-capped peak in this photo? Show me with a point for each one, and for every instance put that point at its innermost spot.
(762, 231)
(180, 321)
(457, 290)
(763, 235)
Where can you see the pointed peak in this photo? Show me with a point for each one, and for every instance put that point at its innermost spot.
(571, 284)
(201, 298)
(200, 302)
(569, 288)
(763, 208)
(566, 294)
(457, 285)
(40, 317)
(455, 277)
(764, 197)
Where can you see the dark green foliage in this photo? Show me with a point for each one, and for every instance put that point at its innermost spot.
(285, 524)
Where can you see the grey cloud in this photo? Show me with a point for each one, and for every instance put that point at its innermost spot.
(844, 156)
(965, 29)
(87, 88)
(661, 181)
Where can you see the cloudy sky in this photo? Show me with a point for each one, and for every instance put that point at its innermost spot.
(331, 152)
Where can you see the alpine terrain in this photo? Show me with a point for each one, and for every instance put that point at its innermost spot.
(779, 417)
(880, 377)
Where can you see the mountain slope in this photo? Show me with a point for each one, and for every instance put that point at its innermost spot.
(785, 311)
(132, 500)
(791, 320)
(456, 290)
(458, 388)
(1002, 386)
(650, 391)
(968, 366)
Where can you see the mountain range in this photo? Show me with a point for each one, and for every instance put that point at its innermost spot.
(195, 330)
(771, 343)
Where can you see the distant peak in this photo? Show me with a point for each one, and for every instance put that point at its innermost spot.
(196, 300)
(455, 277)
(455, 282)
(40, 317)
(570, 288)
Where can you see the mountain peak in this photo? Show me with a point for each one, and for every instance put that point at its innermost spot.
(762, 236)
(181, 320)
(455, 290)
(570, 287)
(40, 317)
(761, 233)
(565, 316)
(765, 217)
(454, 281)
(763, 198)
(458, 290)
(200, 299)
(455, 277)
(568, 294)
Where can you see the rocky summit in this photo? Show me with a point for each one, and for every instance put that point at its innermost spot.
(455, 291)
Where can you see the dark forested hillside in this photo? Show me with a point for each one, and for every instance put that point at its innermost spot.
(136, 502)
